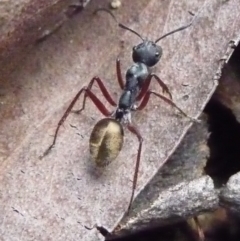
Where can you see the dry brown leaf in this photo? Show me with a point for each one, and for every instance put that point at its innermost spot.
(56, 196)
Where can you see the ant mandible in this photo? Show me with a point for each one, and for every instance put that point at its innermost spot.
(106, 139)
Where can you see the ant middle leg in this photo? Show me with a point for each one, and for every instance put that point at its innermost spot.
(103, 90)
(146, 85)
(101, 107)
(145, 100)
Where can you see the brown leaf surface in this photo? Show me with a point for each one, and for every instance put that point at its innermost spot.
(51, 199)
(22, 22)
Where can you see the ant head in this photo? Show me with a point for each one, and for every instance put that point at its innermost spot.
(147, 52)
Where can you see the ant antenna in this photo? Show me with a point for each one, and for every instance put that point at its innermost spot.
(119, 24)
(136, 33)
(181, 28)
(174, 31)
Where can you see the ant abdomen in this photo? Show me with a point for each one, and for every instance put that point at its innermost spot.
(106, 141)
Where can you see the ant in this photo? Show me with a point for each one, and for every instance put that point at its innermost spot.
(106, 139)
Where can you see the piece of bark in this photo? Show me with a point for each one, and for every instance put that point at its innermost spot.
(229, 196)
(175, 204)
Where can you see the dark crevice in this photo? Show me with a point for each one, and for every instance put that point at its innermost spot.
(224, 143)
(179, 231)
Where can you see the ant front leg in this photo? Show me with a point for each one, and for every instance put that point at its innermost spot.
(136, 132)
(103, 90)
(146, 85)
(145, 100)
(94, 99)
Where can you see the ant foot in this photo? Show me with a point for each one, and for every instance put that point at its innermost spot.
(77, 111)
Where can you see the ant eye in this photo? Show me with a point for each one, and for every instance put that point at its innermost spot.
(134, 48)
(157, 54)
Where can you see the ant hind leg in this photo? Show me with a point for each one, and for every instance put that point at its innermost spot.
(101, 107)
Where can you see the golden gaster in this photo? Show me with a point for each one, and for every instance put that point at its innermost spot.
(106, 141)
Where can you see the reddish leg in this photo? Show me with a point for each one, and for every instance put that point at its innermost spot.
(94, 99)
(145, 100)
(136, 132)
(146, 84)
(103, 90)
(119, 74)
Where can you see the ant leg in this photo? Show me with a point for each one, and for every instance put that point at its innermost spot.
(103, 90)
(94, 99)
(163, 85)
(136, 132)
(145, 100)
(146, 84)
(119, 74)
(105, 233)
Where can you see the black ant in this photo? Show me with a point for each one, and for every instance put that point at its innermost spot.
(106, 139)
